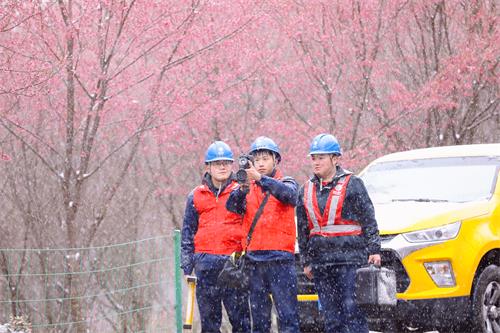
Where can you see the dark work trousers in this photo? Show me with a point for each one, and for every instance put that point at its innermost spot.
(210, 298)
(336, 287)
(279, 279)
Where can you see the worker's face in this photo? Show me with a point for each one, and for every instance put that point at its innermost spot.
(220, 170)
(264, 162)
(324, 164)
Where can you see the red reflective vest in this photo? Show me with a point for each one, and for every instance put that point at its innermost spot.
(331, 223)
(275, 229)
(219, 230)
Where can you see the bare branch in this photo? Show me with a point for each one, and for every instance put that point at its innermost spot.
(44, 161)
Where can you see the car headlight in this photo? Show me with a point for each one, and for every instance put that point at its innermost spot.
(445, 232)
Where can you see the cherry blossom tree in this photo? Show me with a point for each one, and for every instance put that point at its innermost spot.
(446, 63)
(83, 84)
(107, 106)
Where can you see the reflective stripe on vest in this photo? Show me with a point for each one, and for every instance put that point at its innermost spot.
(331, 223)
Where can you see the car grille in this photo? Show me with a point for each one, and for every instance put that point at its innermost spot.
(386, 238)
(390, 260)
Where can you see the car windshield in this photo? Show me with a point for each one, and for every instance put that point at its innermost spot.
(457, 179)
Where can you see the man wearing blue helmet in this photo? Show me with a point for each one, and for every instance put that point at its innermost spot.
(338, 234)
(210, 234)
(271, 250)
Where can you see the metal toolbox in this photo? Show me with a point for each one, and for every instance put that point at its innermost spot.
(375, 286)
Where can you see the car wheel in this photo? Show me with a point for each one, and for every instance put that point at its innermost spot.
(486, 301)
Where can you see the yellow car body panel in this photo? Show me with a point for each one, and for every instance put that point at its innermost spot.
(475, 246)
(477, 236)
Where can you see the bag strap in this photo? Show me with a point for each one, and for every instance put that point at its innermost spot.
(255, 219)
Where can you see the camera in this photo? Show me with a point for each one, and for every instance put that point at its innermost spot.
(244, 162)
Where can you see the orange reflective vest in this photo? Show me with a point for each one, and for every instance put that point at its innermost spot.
(219, 230)
(275, 229)
(331, 223)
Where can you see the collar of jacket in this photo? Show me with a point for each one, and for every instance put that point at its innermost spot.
(207, 181)
(340, 172)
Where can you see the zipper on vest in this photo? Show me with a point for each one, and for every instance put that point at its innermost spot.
(217, 195)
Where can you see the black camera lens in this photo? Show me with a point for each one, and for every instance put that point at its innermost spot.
(243, 162)
(241, 176)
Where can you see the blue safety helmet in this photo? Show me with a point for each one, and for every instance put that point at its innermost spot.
(265, 143)
(218, 151)
(325, 144)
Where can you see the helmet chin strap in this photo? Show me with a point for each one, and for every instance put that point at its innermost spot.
(275, 163)
(331, 159)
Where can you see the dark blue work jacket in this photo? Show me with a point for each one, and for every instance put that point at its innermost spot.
(353, 250)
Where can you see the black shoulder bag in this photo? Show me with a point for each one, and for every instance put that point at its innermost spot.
(234, 274)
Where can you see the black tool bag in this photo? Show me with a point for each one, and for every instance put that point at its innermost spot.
(234, 273)
(375, 287)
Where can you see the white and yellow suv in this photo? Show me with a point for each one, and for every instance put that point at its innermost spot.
(438, 212)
